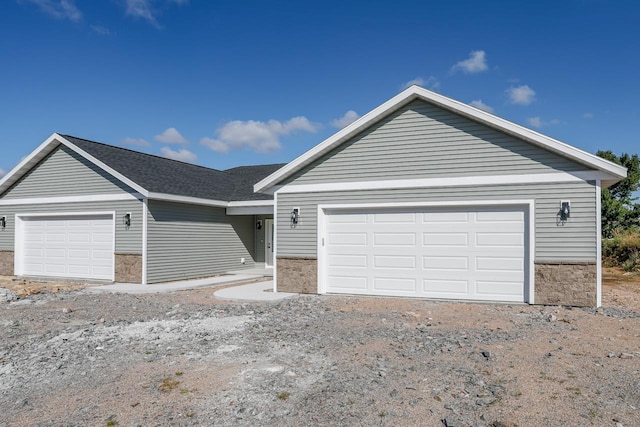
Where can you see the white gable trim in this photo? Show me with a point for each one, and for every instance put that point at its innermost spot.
(416, 92)
(70, 199)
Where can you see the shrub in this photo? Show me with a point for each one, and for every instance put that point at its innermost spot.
(622, 250)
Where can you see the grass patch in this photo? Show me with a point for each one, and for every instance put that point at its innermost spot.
(168, 384)
(284, 395)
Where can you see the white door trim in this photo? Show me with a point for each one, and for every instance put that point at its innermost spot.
(269, 242)
(18, 258)
(529, 204)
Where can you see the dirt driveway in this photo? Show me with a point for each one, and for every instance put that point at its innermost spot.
(77, 358)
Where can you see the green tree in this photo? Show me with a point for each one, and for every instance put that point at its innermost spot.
(619, 209)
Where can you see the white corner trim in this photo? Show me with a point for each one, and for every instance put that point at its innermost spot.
(598, 244)
(275, 244)
(416, 92)
(145, 240)
(444, 182)
(71, 199)
(529, 203)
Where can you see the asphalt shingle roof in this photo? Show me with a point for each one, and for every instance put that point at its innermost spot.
(160, 175)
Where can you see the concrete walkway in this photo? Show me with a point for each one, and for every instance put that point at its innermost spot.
(136, 288)
(261, 291)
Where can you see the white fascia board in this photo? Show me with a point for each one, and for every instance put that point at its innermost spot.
(70, 199)
(250, 210)
(415, 92)
(251, 203)
(187, 199)
(103, 166)
(29, 162)
(445, 182)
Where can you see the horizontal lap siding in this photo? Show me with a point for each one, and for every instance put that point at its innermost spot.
(189, 241)
(575, 241)
(127, 240)
(64, 173)
(424, 141)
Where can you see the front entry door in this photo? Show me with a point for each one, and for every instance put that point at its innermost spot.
(268, 241)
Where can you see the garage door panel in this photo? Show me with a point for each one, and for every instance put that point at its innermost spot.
(71, 246)
(448, 263)
(445, 239)
(348, 261)
(448, 217)
(442, 287)
(350, 239)
(394, 285)
(395, 262)
(462, 253)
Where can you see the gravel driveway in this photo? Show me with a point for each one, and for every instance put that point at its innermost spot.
(82, 359)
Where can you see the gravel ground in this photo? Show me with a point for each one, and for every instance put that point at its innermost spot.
(75, 358)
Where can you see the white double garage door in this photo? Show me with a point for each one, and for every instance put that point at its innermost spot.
(471, 253)
(69, 246)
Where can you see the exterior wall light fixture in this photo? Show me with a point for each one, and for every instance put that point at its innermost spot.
(3, 222)
(126, 219)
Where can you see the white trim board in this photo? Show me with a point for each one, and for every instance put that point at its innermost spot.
(414, 92)
(598, 245)
(529, 231)
(444, 182)
(145, 239)
(71, 199)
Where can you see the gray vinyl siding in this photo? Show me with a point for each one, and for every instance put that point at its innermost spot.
(424, 141)
(127, 240)
(64, 173)
(190, 241)
(575, 241)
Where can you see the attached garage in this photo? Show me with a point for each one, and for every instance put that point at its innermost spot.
(70, 246)
(425, 196)
(475, 253)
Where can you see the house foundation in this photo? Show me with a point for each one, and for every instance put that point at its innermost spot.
(128, 268)
(566, 283)
(297, 274)
(6, 263)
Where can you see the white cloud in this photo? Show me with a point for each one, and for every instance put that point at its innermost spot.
(521, 95)
(62, 9)
(141, 9)
(181, 155)
(588, 115)
(138, 142)
(262, 137)
(430, 83)
(481, 105)
(2, 173)
(99, 29)
(476, 63)
(171, 136)
(348, 118)
(535, 122)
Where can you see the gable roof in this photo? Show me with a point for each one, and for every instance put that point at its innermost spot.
(154, 176)
(611, 172)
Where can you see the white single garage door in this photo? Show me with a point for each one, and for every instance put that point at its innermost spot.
(70, 246)
(463, 253)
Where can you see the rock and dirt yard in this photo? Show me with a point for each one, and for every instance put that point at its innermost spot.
(75, 358)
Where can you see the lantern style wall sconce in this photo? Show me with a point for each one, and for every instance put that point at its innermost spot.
(259, 224)
(565, 210)
(3, 222)
(126, 219)
(295, 215)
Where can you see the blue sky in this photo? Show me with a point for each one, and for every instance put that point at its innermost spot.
(227, 83)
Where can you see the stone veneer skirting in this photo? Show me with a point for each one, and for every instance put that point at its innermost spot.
(566, 283)
(128, 268)
(6, 263)
(297, 274)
